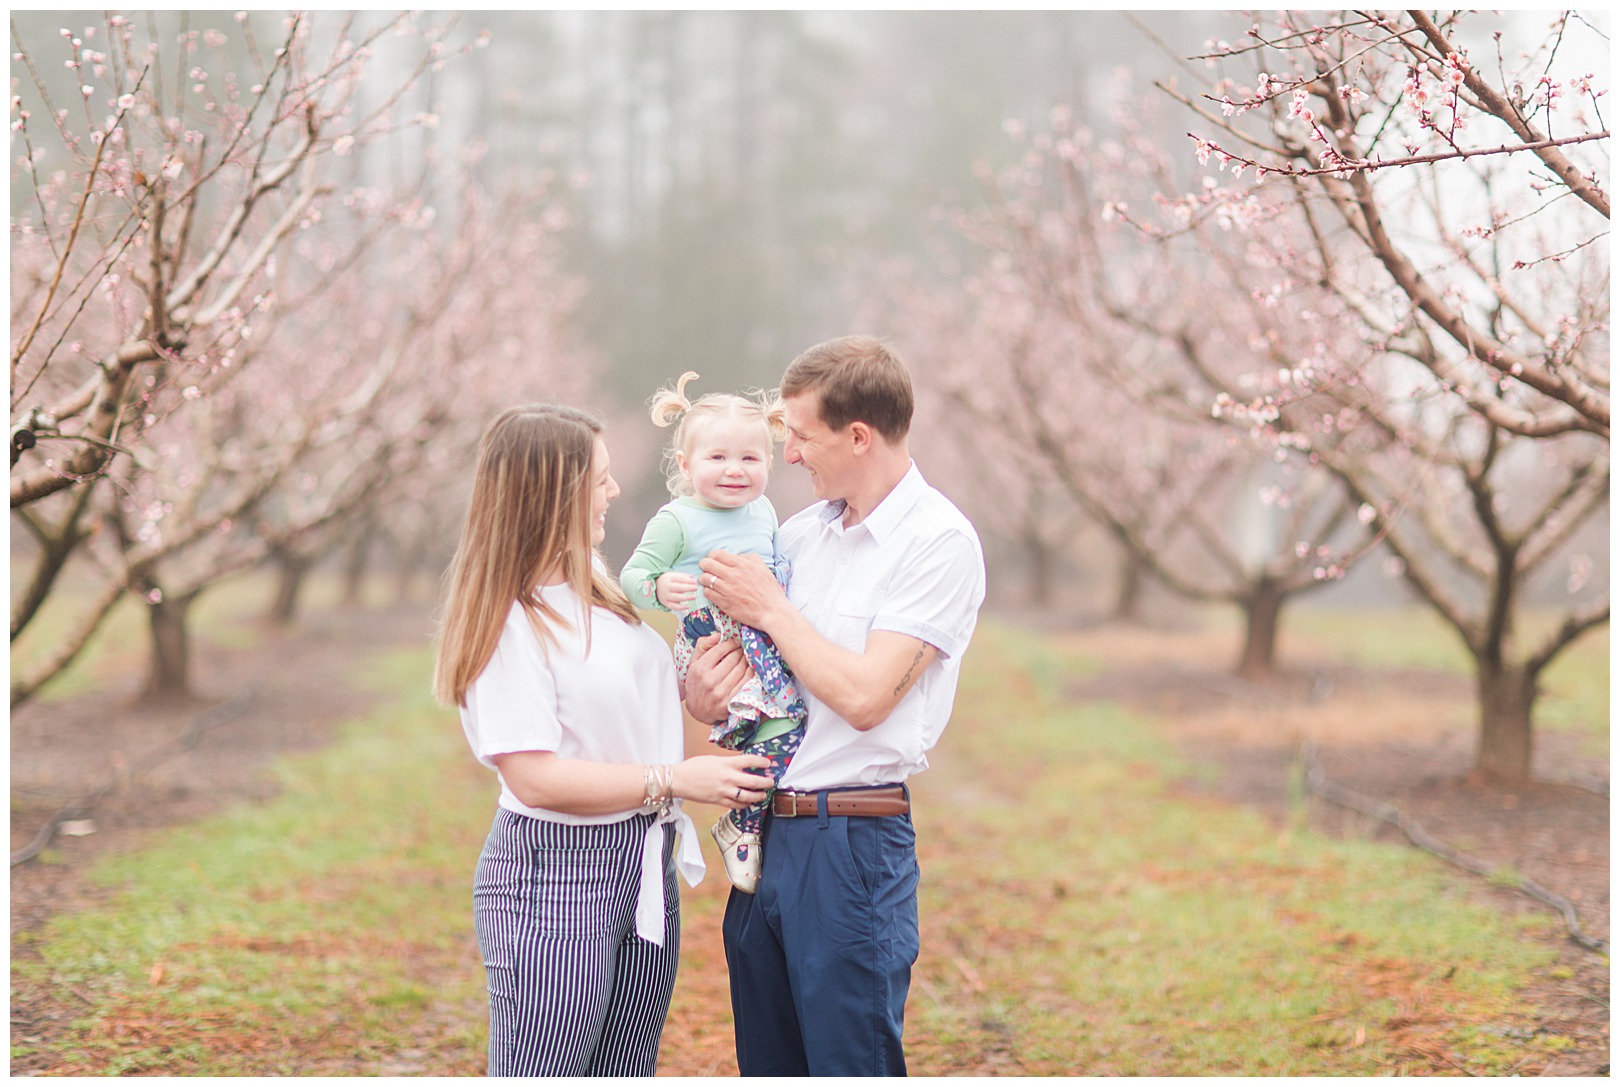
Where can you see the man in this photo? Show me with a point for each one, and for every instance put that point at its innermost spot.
(887, 579)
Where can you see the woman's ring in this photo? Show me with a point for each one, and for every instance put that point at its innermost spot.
(739, 792)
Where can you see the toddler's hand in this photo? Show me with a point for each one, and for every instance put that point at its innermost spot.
(676, 591)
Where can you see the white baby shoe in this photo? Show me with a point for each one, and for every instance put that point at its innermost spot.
(742, 854)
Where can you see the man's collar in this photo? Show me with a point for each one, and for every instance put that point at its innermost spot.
(889, 512)
(896, 504)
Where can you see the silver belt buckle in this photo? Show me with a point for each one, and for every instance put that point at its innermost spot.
(793, 807)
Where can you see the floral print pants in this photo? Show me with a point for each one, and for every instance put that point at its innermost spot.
(769, 693)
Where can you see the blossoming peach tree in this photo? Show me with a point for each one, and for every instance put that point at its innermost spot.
(1381, 312)
(1448, 177)
(1095, 351)
(233, 330)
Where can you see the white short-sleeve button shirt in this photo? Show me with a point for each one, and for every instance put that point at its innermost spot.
(914, 566)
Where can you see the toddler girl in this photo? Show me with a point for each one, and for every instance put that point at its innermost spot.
(717, 466)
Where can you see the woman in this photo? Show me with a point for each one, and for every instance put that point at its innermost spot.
(574, 706)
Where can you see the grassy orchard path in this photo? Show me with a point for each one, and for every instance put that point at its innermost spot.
(1080, 916)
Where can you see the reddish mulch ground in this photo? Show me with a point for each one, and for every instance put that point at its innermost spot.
(1394, 737)
(1404, 738)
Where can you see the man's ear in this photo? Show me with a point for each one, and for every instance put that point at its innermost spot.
(860, 436)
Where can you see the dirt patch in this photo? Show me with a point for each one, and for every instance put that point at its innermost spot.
(1402, 737)
(288, 693)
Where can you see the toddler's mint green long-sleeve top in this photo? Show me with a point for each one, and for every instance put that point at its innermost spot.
(683, 532)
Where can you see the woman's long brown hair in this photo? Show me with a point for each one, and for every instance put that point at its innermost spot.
(530, 513)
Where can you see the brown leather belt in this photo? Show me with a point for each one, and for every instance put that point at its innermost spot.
(874, 800)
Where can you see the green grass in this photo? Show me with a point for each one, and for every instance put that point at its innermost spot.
(1081, 915)
(1575, 693)
(1145, 932)
(228, 614)
(1575, 687)
(327, 925)
(117, 651)
(1410, 637)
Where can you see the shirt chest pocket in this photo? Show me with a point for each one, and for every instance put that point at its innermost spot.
(853, 613)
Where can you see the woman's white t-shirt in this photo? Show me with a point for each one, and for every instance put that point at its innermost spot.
(619, 703)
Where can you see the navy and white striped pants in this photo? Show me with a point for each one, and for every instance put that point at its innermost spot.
(573, 991)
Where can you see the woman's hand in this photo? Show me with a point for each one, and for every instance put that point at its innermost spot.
(675, 591)
(721, 779)
(717, 672)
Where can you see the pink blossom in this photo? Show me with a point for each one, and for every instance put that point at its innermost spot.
(1415, 92)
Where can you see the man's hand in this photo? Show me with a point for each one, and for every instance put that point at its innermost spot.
(863, 687)
(675, 591)
(742, 587)
(717, 672)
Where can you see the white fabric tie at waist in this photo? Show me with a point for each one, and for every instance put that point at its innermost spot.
(688, 862)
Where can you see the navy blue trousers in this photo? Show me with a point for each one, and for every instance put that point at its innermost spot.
(820, 959)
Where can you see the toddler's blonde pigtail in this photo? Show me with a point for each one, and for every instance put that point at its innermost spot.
(668, 405)
(775, 413)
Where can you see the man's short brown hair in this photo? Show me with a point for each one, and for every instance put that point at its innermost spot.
(857, 378)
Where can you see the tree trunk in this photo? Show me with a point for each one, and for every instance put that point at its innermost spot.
(291, 569)
(411, 558)
(1506, 695)
(1040, 570)
(355, 564)
(168, 676)
(1129, 598)
(1262, 609)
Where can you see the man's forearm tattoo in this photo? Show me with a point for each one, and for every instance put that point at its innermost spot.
(907, 677)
